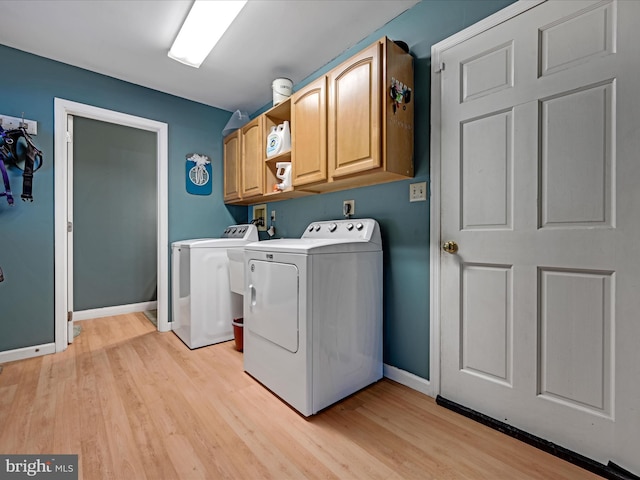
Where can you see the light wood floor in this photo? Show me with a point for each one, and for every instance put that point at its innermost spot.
(137, 404)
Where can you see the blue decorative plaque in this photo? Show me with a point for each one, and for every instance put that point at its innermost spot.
(199, 174)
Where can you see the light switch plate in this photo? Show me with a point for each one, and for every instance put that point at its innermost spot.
(418, 192)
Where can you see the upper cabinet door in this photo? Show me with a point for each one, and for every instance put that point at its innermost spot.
(232, 167)
(309, 133)
(355, 114)
(252, 159)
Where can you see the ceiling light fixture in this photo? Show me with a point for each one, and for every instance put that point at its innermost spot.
(206, 23)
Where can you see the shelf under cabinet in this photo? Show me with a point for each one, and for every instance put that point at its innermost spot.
(281, 157)
(290, 192)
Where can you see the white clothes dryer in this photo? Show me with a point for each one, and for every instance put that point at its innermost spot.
(203, 305)
(313, 313)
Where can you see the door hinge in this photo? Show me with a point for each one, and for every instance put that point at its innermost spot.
(69, 139)
(69, 316)
(69, 227)
(440, 67)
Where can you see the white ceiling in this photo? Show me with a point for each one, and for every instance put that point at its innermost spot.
(129, 40)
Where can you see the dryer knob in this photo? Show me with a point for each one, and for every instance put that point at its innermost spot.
(317, 228)
(311, 228)
(349, 226)
(332, 227)
(359, 226)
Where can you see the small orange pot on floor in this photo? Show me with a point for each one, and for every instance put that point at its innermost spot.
(237, 333)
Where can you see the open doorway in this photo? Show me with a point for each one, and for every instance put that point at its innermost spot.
(64, 110)
(113, 259)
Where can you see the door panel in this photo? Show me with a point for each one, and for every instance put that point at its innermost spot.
(354, 114)
(487, 319)
(486, 174)
(539, 181)
(487, 72)
(575, 329)
(576, 157)
(577, 39)
(309, 135)
(252, 151)
(232, 166)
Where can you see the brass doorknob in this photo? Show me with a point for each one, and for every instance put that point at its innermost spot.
(450, 247)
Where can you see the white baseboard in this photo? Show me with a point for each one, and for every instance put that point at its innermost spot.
(117, 310)
(27, 352)
(409, 380)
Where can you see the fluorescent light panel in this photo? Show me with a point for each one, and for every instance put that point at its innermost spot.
(206, 23)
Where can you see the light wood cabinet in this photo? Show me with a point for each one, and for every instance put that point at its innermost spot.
(370, 138)
(232, 165)
(347, 131)
(252, 171)
(309, 134)
(355, 114)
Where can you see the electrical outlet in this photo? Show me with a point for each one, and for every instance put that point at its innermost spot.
(11, 123)
(260, 217)
(418, 192)
(273, 215)
(348, 208)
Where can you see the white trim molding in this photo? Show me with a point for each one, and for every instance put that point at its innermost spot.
(63, 108)
(112, 311)
(497, 18)
(410, 380)
(27, 352)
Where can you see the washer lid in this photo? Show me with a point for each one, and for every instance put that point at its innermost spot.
(210, 243)
(312, 246)
(233, 236)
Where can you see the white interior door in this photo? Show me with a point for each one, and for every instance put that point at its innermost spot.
(69, 166)
(539, 181)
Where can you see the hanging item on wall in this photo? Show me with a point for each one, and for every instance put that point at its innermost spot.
(199, 174)
(18, 150)
(400, 94)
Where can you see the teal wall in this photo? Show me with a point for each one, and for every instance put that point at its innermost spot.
(404, 225)
(29, 84)
(114, 191)
(26, 298)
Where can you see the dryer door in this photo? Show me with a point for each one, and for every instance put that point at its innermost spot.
(273, 302)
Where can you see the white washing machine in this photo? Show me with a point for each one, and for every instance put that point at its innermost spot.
(202, 303)
(313, 313)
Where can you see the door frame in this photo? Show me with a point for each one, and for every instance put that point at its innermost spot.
(435, 252)
(63, 108)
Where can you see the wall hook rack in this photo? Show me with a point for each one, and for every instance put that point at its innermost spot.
(11, 123)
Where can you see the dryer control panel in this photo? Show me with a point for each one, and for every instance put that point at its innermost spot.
(246, 232)
(365, 229)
